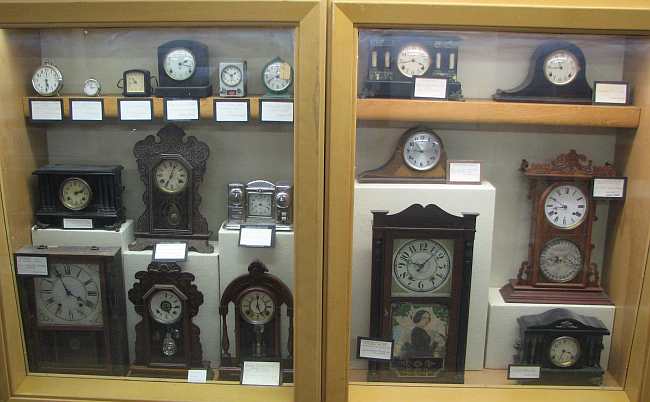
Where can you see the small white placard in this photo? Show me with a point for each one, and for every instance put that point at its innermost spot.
(135, 110)
(611, 93)
(182, 109)
(197, 376)
(276, 111)
(516, 372)
(260, 373)
(75, 223)
(170, 252)
(86, 110)
(609, 188)
(46, 110)
(230, 111)
(465, 172)
(26, 265)
(435, 88)
(250, 236)
(372, 349)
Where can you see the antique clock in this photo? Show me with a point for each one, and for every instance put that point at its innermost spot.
(47, 80)
(73, 309)
(92, 87)
(232, 78)
(277, 77)
(80, 197)
(559, 267)
(167, 343)
(421, 275)
(183, 70)
(258, 298)
(396, 60)
(135, 83)
(260, 202)
(567, 346)
(419, 157)
(172, 169)
(557, 74)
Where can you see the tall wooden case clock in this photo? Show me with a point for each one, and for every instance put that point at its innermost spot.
(167, 343)
(258, 298)
(73, 313)
(421, 274)
(559, 267)
(172, 169)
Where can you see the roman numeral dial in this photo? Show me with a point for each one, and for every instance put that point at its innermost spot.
(565, 207)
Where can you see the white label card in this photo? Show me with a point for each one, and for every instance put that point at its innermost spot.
(250, 236)
(85, 110)
(609, 188)
(465, 172)
(185, 109)
(611, 93)
(276, 111)
(523, 372)
(372, 349)
(231, 111)
(170, 252)
(74, 223)
(260, 373)
(197, 376)
(430, 88)
(135, 110)
(26, 265)
(46, 110)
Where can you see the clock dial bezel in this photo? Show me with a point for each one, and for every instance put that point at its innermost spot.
(547, 194)
(246, 317)
(571, 57)
(228, 67)
(179, 300)
(545, 271)
(176, 161)
(96, 82)
(420, 48)
(571, 362)
(84, 184)
(59, 79)
(265, 73)
(436, 149)
(410, 247)
(166, 59)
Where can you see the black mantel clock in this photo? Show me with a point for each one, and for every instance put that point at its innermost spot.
(183, 70)
(172, 169)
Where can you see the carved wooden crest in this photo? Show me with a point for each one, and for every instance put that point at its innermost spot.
(570, 164)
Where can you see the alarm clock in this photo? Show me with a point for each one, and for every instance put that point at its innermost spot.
(183, 70)
(135, 83)
(232, 78)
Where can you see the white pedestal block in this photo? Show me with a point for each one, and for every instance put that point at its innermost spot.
(205, 268)
(454, 199)
(503, 330)
(94, 237)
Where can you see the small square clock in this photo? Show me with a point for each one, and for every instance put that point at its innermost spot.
(232, 78)
(136, 83)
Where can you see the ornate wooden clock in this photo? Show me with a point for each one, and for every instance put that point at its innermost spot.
(567, 346)
(258, 298)
(172, 170)
(559, 267)
(73, 312)
(421, 275)
(167, 343)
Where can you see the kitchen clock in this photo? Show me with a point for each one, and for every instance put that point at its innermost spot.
(135, 83)
(232, 78)
(74, 315)
(183, 70)
(559, 267)
(277, 77)
(92, 87)
(47, 80)
(260, 202)
(557, 74)
(421, 275)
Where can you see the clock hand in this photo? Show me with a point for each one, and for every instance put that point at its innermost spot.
(171, 174)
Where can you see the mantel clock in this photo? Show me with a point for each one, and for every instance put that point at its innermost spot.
(183, 70)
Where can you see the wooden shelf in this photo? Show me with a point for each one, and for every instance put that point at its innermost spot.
(489, 112)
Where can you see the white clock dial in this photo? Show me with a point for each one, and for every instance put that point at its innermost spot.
(69, 295)
(277, 76)
(135, 81)
(422, 150)
(421, 265)
(92, 87)
(413, 61)
(564, 351)
(565, 207)
(47, 80)
(231, 75)
(260, 204)
(75, 193)
(171, 176)
(561, 67)
(179, 64)
(257, 307)
(560, 260)
(165, 307)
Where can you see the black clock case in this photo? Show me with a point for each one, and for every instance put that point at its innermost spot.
(537, 331)
(198, 85)
(105, 208)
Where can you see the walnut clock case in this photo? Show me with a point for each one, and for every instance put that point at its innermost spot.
(74, 317)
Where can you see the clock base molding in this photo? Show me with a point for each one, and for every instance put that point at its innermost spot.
(514, 293)
(166, 372)
(195, 242)
(585, 376)
(505, 97)
(183, 92)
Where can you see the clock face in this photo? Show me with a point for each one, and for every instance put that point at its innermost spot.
(135, 82)
(413, 61)
(421, 265)
(171, 176)
(47, 80)
(422, 150)
(257, 307)
(260, 204)
(564, 351)
(565, 207)
(75, 193)
(165, 307)
(561, 67)
(560, 260)
(69, 295)
(277, 76)
(231, 75)
(92, 87)
(179, 64)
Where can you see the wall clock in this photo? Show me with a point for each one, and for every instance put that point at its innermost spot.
(167, 343)
(419, 157)
(557, 74)
(258, 298)
(183, 70)
(74, 316)
(559, 267)
(172, 169)
(260, 202)
(232, 78)
(421, 275)
(567, 346)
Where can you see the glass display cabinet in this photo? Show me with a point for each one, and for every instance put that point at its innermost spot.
(162, 181)
(486, 224)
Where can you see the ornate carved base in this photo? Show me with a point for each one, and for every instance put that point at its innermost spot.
(166, 372)
(514, 293)
(195, 242)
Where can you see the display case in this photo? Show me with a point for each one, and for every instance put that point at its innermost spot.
(124, 126)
